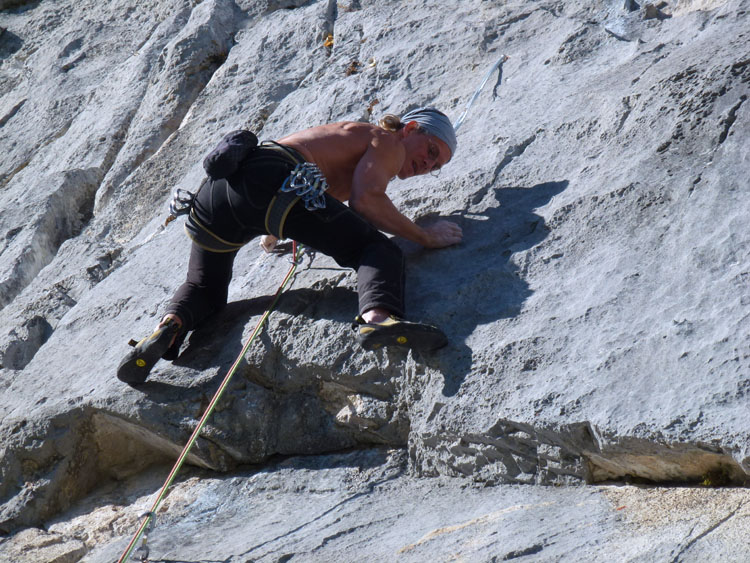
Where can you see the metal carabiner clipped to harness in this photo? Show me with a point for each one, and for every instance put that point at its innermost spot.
(308, 183)
(181, 204)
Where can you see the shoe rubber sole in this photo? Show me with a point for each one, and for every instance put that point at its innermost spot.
(136, 366)
(403, 334)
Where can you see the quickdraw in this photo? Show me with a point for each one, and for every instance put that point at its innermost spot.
(141, 554)
(181, 204)
(307, 182)
(497, 66)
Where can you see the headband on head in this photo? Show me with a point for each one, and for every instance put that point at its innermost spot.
(435, 122)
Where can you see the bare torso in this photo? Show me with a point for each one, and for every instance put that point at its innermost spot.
(336, 148)
(359, 160)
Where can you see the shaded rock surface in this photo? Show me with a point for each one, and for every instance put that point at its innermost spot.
(598, 308)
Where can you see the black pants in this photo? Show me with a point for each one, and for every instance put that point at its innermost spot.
(235, 208)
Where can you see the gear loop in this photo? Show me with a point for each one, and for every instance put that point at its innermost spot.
(182, 202)
(308, 183)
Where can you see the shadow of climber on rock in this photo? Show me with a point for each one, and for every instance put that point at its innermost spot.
(477, 282)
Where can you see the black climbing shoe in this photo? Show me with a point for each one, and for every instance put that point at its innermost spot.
(134, 369)
(398, 332)
(173, 351)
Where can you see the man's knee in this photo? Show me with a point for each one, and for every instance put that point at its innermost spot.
(388, 248)
(382, 254)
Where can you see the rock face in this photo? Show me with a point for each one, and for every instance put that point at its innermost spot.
(598, 308)
(361, 505)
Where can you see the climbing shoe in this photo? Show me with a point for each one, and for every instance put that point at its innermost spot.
(397, 332)
(134, 369)
(173, 351)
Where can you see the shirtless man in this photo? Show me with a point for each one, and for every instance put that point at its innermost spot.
(356, 161)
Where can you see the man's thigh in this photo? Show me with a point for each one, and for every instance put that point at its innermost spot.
(335, 230)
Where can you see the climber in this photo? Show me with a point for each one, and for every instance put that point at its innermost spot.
(295, 188)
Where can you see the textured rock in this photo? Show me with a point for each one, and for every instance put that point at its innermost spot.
(597, 308)
(38, 545)
(362, 505)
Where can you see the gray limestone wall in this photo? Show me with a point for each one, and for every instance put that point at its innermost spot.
(598, 308)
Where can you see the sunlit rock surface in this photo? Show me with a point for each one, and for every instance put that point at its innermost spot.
(598, 308)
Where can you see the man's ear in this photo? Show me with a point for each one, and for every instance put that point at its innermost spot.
(410, 127)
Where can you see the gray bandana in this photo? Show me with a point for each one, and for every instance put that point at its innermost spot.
(435, 122)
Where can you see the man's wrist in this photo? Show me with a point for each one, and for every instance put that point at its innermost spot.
(424, 237)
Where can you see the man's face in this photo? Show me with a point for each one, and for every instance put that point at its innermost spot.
(424, 153)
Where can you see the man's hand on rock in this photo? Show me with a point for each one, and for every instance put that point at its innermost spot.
(442, 234)
(268, 243)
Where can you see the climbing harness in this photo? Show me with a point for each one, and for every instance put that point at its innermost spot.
(305, 182)
(204, 237)
(497, 66)
(147, 525)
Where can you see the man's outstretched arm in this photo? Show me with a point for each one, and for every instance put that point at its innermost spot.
(380, 163)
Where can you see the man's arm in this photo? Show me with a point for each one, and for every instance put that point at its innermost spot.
(380, 163)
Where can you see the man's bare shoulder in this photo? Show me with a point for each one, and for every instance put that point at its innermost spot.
(373, 132)
(351, 131)
(344, 140)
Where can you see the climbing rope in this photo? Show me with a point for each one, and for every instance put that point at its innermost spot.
(497, 66)
(148, 522)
